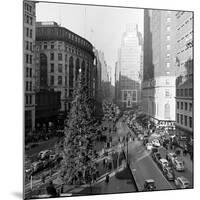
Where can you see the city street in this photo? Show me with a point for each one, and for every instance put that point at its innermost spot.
(144, 167)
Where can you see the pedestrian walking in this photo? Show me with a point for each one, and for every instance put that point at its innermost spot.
(104, 163)
(107, 179)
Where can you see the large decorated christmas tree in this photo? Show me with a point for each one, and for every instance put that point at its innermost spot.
(78, 165)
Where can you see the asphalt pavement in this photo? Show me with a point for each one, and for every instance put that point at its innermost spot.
(141, 162)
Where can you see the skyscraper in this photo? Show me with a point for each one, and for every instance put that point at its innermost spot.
(159, 67)
(29, 64)
(129, 66)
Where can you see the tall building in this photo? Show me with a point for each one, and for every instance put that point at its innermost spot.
(60, 55)
(129, 67)
(29, 64)
(158, 88)
(184, 74)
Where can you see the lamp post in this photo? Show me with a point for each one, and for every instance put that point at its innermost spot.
(127, 149)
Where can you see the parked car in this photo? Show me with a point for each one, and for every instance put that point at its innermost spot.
(37, 166)
(149, 185)
(156, 143)
(179, 165)
(156, 157)
(171, 157)
(163, 163)
(44, 154)
(149, 146)
(182, 182)
(169, 173)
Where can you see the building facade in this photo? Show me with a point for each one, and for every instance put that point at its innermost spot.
(184, 74)
(29, 64)
(129, 68)
(158, 89)
(60, 55)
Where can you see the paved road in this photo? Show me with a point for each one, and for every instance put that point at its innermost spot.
(142, 162)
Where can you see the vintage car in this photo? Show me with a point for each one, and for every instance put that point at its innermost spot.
(149, 185)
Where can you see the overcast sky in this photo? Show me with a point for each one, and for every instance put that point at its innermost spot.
(102, 26)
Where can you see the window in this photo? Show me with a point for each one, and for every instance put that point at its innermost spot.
(177, 92)
(27, 99)
(31, 21)
(190, 92)
(27, 58)
(186, 92)
(27, 72)
(168, 47)
(27, 44)
(52, 56)
(168, 28)
(30, 100)
(45, 45)
(59, 80)
(186, 106)
(177, 105)
(65, 57)
(190, 121)
(190, 107)
(30, 59)
(52, 45)
(59, 56)
(52, 80)
(177, 118)
(168, 37)
(27, 32)
(30, 86)
(181, 105)
(168, 55)
(31, 32)
(27, 84)
(31, 48)
(30, 71)
(60, 68)
(185, 120)
(167, 93)
(181, 92)
(52, 67)
(27, 19)
(181, 119)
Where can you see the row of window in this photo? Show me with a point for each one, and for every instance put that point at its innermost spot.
(187, 106)
(184, 120)
(60, 80)
(69, 49)
(28, 7)
(29, 86)
(60, 56)
(29, 59)
(28, 72)
(187, 92)
(28, 19)
(29, 45)
(60, 68)
(28, 99)
(29, 32)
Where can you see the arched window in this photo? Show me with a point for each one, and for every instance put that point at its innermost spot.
(167, 111)
(77, 68)
(71, 72)
(43, 70)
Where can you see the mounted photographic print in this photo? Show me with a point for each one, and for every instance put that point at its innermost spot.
(108, 99)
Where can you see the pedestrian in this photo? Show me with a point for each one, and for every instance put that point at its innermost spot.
(104, 163)
(107, 179)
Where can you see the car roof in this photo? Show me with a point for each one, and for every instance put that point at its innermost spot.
(183, 179)
(163, 160)
(149, 181)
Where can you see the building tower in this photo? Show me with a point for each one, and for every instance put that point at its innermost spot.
(29, 64)
(129, 68)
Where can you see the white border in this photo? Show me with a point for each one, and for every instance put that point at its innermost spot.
(11, 97)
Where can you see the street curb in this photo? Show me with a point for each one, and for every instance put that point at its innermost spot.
(133, 176)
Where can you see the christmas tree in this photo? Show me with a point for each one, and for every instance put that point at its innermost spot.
(78, 165)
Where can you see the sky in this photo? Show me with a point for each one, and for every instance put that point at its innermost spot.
(102, 26)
